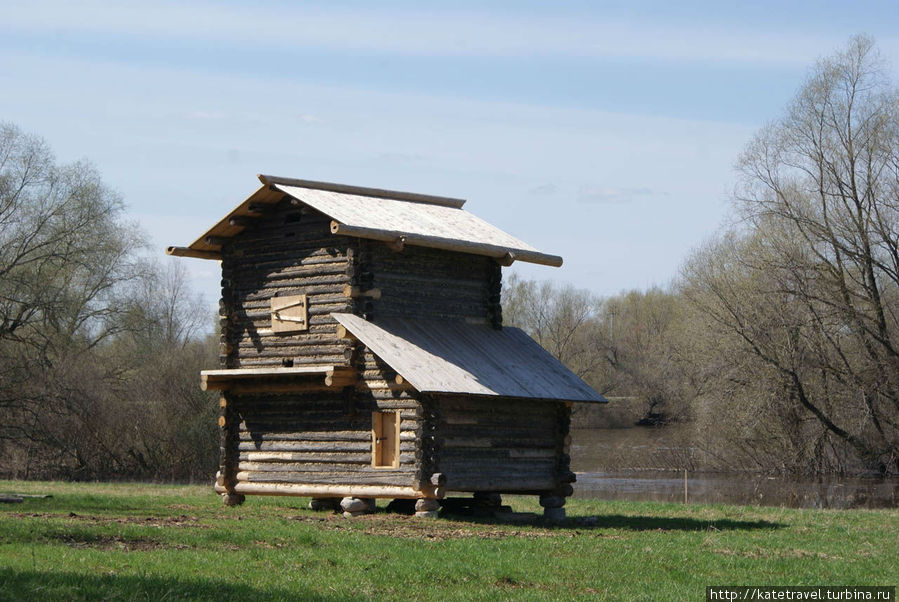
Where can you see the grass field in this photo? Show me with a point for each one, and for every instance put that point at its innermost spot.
(157, 542)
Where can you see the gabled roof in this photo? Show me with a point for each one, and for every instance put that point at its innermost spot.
(386, 215)
(453, 356)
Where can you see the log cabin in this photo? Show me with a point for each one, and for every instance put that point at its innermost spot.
(363, 354)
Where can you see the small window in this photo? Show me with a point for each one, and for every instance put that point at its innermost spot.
(385, 439)
(289, 314)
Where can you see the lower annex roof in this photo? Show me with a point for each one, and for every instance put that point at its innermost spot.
(453, 356)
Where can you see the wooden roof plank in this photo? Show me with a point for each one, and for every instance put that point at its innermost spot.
(360, 190)
(452, 356)
(387, 215)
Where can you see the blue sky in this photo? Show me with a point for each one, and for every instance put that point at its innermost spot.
(603, 132)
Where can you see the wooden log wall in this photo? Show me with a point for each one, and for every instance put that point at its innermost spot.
(310, 438)
(502, 445)
(420, 282)
(322, 438)
(287, 251)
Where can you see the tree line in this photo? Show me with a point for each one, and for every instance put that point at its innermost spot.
(779, 340)
(99, 346)
(776, 347)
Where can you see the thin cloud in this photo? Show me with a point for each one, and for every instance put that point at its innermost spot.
(411, 33)
(401, 157)
(547, 189)
(207, 115)
(615, 196)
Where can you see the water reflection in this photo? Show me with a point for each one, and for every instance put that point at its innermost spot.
(593, 450)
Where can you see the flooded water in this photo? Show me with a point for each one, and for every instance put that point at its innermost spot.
(595, 451)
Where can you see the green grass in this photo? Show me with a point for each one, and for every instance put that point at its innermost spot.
(157, 542)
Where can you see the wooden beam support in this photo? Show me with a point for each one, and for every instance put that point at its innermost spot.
(373, 192)
(360, 491)
(447, 244)
(241, 220)
(278, 380)
(216, 241)
(397, 245)
(188, 252)
(343, 333)
(507, 259)
(268, 387)
(355, 291)
(340, 378)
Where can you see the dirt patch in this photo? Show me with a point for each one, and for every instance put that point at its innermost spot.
(115, 542)
(762, 553)
(150, 521)
(408, 527)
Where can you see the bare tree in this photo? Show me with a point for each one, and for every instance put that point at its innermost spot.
(563, 320)
(809, 281)
(63, 244)
(64, 251)
(99, 349)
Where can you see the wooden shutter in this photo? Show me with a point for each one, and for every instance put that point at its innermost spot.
(385, 440)
(289, 314)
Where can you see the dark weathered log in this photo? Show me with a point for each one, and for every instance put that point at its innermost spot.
(328, 435)
(229, 444)
(316, 478)
(292, 419)
(273, 268)
(320, 467)
(317, 446)
(216, 241)
(318, 457)
(186, 252)
(340, 436)
(498, 484)
(498, 442)
(311, 360)
(241, 220)
(508, 430)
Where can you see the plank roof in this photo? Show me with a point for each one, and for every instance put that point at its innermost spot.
(386, 215)
(453, 356)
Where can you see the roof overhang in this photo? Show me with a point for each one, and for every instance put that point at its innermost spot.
(398, 218)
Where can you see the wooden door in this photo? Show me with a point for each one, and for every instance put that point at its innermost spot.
(385, 440)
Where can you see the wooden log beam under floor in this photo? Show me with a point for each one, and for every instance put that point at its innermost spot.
(360, 491)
